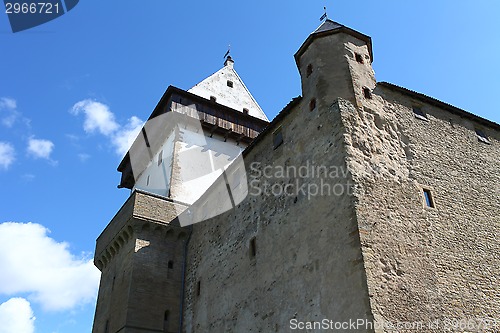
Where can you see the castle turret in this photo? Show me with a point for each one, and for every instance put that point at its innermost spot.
(189, 139)
(335, 61)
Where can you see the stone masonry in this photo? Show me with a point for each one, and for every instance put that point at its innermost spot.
(367, 203)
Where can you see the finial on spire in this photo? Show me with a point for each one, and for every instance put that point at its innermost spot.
(324, 16)
(229, 61)
(228, 51)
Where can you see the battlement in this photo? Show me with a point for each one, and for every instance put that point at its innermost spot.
(140, 209)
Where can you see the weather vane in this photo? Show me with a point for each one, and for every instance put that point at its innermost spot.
(228, 51)
(324, 16)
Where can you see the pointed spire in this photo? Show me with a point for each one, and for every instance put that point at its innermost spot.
(228, 89)
(324, 16)
(229, 62)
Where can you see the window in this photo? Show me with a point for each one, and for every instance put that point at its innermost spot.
(170, 264)
(367, 93)
(429, 200)
(147, 181)
(213, 98)
(229, 83)
(309, 70)
(277, 138)
(245, 110)
(419, 114)
(253, 248)
(198, 288)
(481, 136)
(165, 321)
(359, 58)
(160, 157)
(312, 104)
(106, 328)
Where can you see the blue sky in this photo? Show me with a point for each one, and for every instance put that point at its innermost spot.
(72, 91)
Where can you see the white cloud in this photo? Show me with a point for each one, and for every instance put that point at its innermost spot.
(16, 316)
(97, 117)
(36, 264)
(9, 113)
(123, 139)
(7, 155)
(40, 148)
(28, 177)
(83, 157)
(8, 103)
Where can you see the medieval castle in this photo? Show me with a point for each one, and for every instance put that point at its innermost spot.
(363, 206)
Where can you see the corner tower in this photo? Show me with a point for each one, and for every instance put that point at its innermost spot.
(335, 61)
(190, 137)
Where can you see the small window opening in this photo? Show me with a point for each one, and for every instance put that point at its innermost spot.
(170, 264)
(309, 70)
(419, 114)
(106, 327)
(481, 136)
(165, 321)
(253, 248)
(147, 181)
(229, 83)
(245, 110)
(429, 200)
(160, 157)
(359, 58)
(198, 288)
(277, 138)
(367, 93)
(113, 285)
(312, 104)
(213, 98)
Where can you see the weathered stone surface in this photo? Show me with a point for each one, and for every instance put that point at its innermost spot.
(352, 239)
(141, 256)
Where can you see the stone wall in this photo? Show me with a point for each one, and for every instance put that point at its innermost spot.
(426, 265)
(307, 264)
(141, 256)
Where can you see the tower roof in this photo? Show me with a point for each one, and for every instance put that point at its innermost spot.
(228, 89)
(329, 27)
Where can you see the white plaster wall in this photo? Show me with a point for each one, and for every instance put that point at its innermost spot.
(159, 175)
(200, 161)
(237, 97)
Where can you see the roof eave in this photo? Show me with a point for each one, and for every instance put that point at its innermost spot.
(349, 31)
(440, 104)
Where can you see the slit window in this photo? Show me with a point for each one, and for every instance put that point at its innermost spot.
(170, 264)
(429, 200)
(309, 70)
(481, 136)
(312, 104)
(253, 248)
(229, 83)
(419, 114)
(198, 288)
(359, 58)
(160, 157)
(367, 93)
(277, 138)
(165, 321)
